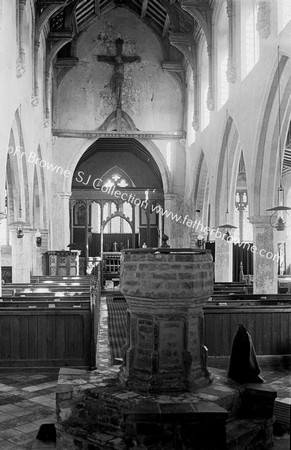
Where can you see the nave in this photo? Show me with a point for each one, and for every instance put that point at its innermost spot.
(28, 395)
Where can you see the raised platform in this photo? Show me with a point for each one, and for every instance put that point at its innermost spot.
(95, 412)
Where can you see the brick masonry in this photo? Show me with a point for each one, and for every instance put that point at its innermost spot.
(162, 397)
(165, 293)
(167, 276)
(95, 413)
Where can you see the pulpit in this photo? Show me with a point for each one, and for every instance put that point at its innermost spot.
(63, 263)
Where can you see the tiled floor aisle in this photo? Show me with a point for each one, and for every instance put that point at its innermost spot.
(26, 402)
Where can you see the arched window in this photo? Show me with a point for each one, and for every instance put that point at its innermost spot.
(222, 56)
(116, 177)
(284, 13)
(205, 113)
(250, 36)
(116, 180)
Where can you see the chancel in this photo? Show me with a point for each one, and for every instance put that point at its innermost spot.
(129, 316)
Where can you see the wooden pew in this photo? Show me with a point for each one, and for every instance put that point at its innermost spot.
(233, 287)
(14, 301)
(269, 325)
(12, 289)
(58, 294)
(35, 334)
(61, 279)
(221, 297)
(41, 330)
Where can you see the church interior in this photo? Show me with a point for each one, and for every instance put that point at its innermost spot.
(145, 224)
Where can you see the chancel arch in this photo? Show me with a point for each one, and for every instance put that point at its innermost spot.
(115, 190)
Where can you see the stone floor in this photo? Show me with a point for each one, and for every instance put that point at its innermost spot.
(27, 400)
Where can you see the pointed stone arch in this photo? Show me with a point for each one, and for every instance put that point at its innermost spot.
(226, 171)
(268, 164)
(17, 175)
(42, 191)
(149, 146)
(12, 184)
(200, 192)
(17, 155)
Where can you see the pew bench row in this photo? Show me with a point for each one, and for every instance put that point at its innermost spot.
(41, 334)
(268, 324)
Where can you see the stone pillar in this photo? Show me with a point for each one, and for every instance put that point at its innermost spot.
(223, 260)
(210, 102)
(170, 205)
(65, 222)
(21, 256)
(165, 294)
(196, 112)
(265, 260)
(172, 228)
(20, 64)
(231, 69)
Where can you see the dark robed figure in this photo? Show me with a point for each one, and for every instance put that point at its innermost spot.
(243, 364)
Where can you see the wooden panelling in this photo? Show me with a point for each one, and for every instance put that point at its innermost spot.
(269, 327)
(45, 338)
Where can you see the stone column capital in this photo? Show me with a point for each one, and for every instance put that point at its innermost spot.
(170, 197)
(65, 195)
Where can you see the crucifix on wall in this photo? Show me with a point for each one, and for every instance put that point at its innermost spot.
(117, 80)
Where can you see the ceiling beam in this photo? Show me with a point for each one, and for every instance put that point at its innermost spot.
(144, 8)
(179, 134)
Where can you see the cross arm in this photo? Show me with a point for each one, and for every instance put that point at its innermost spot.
(107, 59)
(131, 59)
